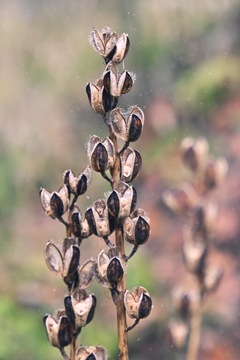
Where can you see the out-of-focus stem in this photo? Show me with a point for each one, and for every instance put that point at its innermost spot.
(195, 330)
(121, 312)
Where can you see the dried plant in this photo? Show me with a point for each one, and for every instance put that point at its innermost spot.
(116, 213)
(192, 200)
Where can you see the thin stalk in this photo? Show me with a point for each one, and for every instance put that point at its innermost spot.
(72, 349)
(195, 331)
(121, 311)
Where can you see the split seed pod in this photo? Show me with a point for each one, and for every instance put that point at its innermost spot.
(177, 333)
(122, 201)
(100, 100)
(55, 204)
(65, 264)
(115, 84)
(127, 125)
(212, 277)
(131, 164)
(101, 153)
(194, 253)
(91, 353)
(108, 268)
(138, 303)
(80, 227)
(100, 221)
(215, 172)
(122, 48)
(194, 152)
(86, 274)
(80, 308)
(136, 227)
(181, 200)
(77, 185)
(58, 330)
(104, 42)
(186, 303)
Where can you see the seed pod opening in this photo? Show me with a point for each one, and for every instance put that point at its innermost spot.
(100, 221)
(122, 201)
(138, 303)
(122, 48)
(100, 100)
(137, 228)
(86, 274)
(104, 42)
(77, 185)
(127, 125)
(115, 84)
(101, 153)
(131, 162)
(194, 152)
(215, 172)
(58, 331)
(91, 353)
(55, 204)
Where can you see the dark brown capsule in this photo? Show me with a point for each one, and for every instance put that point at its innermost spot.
(58, 331)
(114, 271)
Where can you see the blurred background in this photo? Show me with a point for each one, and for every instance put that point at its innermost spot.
(186, 58)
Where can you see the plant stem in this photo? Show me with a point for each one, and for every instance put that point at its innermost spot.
(72, 349)
(194, 340)
(121, 312)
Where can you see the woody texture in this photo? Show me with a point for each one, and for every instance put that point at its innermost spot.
(116, 213)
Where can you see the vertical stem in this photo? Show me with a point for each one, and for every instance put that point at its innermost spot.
(121, 312)
(72, 349)
(194, 340)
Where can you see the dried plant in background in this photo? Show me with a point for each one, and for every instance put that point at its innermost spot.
(192, 200)
(115, 213)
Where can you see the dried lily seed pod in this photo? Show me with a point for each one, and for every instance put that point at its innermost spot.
(204, 218)
(186, 303)
(58, 330)
(131, 162)
(65, 265)
(100, 221)
(212, 277)
(181, 200)
(55, 204)
(122, 201)
(177, 333)
(109, 268)
(122, 47)
(77, 185)
(138, 303)
(101, 153)
(91, 353)
(127, 125)
(136, 228)
(86, 274)
(215, 172)
(80, 227)
(100, 100)
(115, 84)
(194, 152)
(80, 308)
(104, 42)
(194, 254)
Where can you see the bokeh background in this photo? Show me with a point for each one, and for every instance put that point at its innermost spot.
(186, 58)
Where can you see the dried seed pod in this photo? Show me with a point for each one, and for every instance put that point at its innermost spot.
(212, 277)
(101, 153)
(108, 268)
(127, 125)
(63, 264)
(131, 162)
(136, 227)
(115, 84)
(194, 253)
(86, 274)
(104, 43)
(122, 47)
(91, 353)
(194, 152)
(138, 303)
(177, 333)
(58, 330)
(122, 201)
(55, 204)
(214, 172)
(77, 185)
(181, 200)
(80, 309)
(204, 218)
(186, 303)
(100, 221)
(80, 227)
(100, 100)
